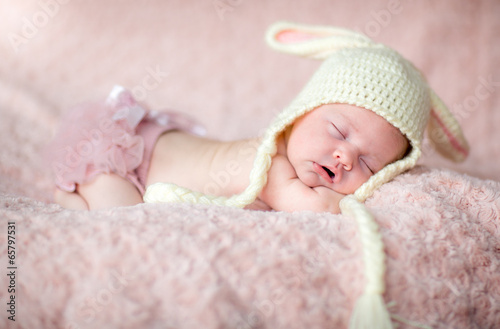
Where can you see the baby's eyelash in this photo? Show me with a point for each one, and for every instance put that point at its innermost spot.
(341, 134)
(367, 166)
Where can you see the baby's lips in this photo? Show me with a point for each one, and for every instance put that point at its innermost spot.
(322, 172)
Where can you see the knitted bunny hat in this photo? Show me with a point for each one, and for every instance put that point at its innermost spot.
(360, 72)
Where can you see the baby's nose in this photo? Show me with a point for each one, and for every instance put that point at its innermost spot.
(345, 157)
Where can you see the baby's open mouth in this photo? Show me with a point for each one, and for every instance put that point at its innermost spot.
(324, 172)
(329, 172)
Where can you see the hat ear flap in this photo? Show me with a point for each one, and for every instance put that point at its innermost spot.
(444, 132)
(313, 41)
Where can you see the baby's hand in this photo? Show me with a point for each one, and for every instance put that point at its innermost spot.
(284, 191)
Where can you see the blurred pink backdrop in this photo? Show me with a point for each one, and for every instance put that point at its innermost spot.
(208, 58)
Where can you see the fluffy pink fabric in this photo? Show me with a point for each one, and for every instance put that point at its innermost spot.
(179, 266)
(116, 135)
(90, 142)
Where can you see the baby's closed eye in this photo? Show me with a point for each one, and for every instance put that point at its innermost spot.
(336, 132)
(369, 167)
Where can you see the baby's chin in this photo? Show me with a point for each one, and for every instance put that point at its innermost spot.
(313, 180)
(345, 190)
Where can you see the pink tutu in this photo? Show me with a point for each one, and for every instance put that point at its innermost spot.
(114, 136)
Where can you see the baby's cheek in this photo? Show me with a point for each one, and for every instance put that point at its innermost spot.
(356, 181)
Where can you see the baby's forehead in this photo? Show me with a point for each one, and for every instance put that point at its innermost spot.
(356, 116)
(350, 112)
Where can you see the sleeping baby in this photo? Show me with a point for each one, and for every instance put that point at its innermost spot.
(357, 123)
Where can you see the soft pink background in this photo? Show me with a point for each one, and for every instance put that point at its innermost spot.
(215, 65)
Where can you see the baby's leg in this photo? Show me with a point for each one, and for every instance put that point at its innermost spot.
(70, 200)
(109, 190)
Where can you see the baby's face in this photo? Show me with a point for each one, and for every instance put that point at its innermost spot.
(340, 146)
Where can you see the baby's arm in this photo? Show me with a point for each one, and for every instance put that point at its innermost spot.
(284, 191)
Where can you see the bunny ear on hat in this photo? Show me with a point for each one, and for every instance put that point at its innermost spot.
(444, 132)
(316, 42)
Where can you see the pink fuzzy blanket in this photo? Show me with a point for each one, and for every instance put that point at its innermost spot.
(183, 266)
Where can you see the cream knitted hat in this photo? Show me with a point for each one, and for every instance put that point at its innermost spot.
(360, 72)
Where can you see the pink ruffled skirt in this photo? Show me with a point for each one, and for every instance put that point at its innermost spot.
(114, 136)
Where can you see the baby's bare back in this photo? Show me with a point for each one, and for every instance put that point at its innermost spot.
(200, 164)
